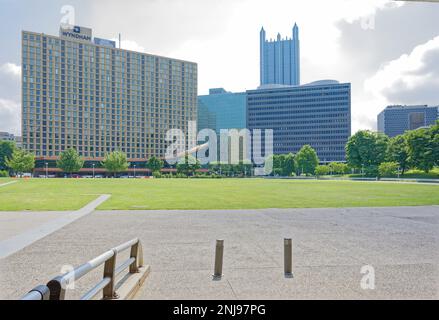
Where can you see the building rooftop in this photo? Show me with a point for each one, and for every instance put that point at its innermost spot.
(409, 106)
(311, 84)
(103, 43)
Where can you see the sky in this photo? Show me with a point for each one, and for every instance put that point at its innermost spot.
(388, 50)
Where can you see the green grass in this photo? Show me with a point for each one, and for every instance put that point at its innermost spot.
(203, 194)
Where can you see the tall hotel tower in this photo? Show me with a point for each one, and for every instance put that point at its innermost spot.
(280, 59)
(83, 92)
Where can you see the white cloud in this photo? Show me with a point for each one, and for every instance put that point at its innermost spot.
(10, 77)
(413, 78)
(223, 36)
(11, 69)
(10, 111)
(10, 116)
(129, 45)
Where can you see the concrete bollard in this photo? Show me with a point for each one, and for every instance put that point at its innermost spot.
(288, 257)
(219, 252)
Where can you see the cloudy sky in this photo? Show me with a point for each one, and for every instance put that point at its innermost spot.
(388, 50)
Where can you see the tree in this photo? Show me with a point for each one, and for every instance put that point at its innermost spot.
(155, 164)
(367, 150)
(277, 161)
(70, 161)
(338, 168)
(321, 171)
(388, 169)
(398, 152)
(188, 165)
(288, 165)
(420, 149)
(434, 131)
(6, 150)
(306, 160)
(115, 162)
(21, 161)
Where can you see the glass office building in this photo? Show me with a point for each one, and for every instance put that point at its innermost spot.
(97, 98)
(395, 120)
(280, 59)
(222, 110)
(317, 114)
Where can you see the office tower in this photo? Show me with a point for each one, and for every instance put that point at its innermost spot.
(395, 120)
(280, 59)
(317, 114)
(222, 110)
(85, 93)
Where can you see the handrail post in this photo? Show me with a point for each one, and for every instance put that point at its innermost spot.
(109, 272)
(140, 255)
(134, 267)
(57, 289)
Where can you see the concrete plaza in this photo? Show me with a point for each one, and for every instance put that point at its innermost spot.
(330, 248)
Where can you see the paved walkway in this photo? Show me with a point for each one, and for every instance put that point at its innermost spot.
(23, 229)
(7, 183)
(330, 248)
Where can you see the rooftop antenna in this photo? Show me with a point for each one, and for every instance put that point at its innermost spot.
(120, 39)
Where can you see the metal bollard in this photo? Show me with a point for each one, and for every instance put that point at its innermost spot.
(288, 257)
(219, 252)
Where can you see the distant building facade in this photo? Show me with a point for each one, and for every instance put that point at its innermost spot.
(317, 114)
(280, 59)
(396, 120)
(222, 110)
(6, 136)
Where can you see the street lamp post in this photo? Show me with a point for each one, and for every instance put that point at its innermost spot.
(134, 171)
(93, 170)
(47, 170)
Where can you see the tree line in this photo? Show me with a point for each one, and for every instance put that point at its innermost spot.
(370, 153)
(375, 154)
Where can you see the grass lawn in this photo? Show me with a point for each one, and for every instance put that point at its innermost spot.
(130, 194)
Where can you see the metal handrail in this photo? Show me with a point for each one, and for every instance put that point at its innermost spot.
(96, 289)
(57, 286)
(38, 293)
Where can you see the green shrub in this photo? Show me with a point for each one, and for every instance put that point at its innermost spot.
(4, 174)
(157, 175)
(322, 171)
(388, 169)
